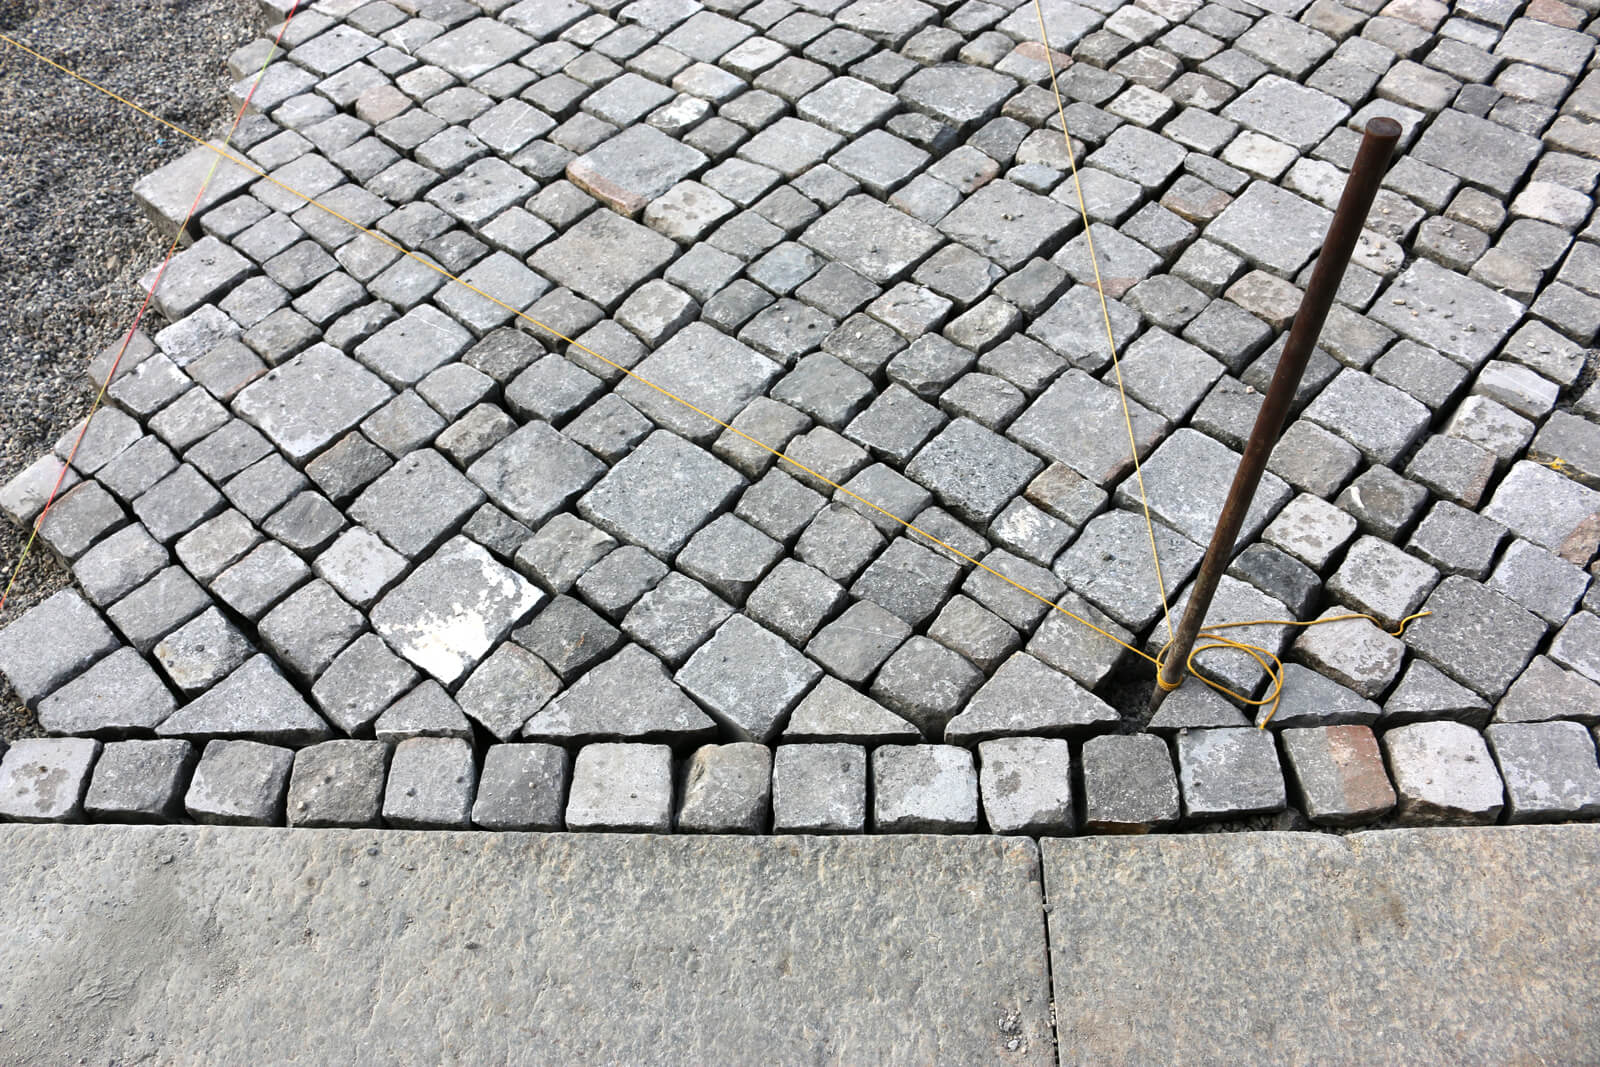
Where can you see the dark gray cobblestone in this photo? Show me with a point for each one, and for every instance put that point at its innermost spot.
(356, 546)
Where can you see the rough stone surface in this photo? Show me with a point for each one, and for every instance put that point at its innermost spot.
(338, 783)
(963, 945)
(819, 789)
(432, 781)
(633, 168)
(1476, 636)
(239, 783)
(451, 610)
(1442, 774)
(748, 677)
(535, 472)
(255, 701)
(629, 696)
(1129, 785)
(523, 787)
(1450, 887)
(660, 494)
(727, 789)
(51, 644)
(1026, 785)
(140, 781)
(1026, 697)
(621, 787)
(1339, 774)
(706, 368)
(310, 401)
(924, 789)
(45, 779)
(1228, 773)
(505, 689)
(1549, 770)
(118, 696)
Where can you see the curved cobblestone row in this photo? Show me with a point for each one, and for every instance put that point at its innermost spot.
(354, 546)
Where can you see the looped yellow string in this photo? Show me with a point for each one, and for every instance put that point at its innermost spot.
(1268, 660)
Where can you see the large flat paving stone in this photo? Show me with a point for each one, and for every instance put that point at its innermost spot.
(1272, 227)
(912, 950)
(476, 48)
(1454, 315)
(633, 168)
(1484, 153)
(660, 494)
(51, 644)
(1326, 949)
(604, 257)
(897, 242)
(700, 366)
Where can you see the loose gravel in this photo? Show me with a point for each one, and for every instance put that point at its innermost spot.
(73, 243)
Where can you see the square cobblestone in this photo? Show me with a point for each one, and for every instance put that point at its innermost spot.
(819, 789)
(456, 606)
(1229, 773)
(140, 781)
(1443, 775)
(660, 494)
(1129, 784)
(51, 644)
(604, 257)
(749, 678)
(1549, 768)
(240, 783)
(523, 787)
(432, 782)
(45, 779)
(621, 787)
(338, 783)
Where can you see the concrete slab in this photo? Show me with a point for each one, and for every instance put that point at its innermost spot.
(1393, 946)
(233, 945)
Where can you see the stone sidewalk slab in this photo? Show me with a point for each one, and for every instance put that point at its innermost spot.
(1392, 946)
(231, 946)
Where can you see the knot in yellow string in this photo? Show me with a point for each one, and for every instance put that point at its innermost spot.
(1268, 660)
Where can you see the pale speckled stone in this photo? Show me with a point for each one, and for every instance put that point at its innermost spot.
(1434, 925)
(916, 929)
(1443, 774)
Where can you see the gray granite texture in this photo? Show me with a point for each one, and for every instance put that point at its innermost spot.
(904, 950)
(1318, 929)
(600, 917)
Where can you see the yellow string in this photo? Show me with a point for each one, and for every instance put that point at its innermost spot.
(1265, 657)
(1261, 655)
(1105, 315)
(384, 240)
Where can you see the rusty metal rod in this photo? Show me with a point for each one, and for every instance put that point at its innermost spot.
(1377, 148)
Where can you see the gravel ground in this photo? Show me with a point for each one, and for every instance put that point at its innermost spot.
(72, 241)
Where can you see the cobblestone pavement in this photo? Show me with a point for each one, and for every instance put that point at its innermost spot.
(354, 546)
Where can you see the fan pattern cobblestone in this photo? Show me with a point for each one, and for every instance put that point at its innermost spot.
(355, 546)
